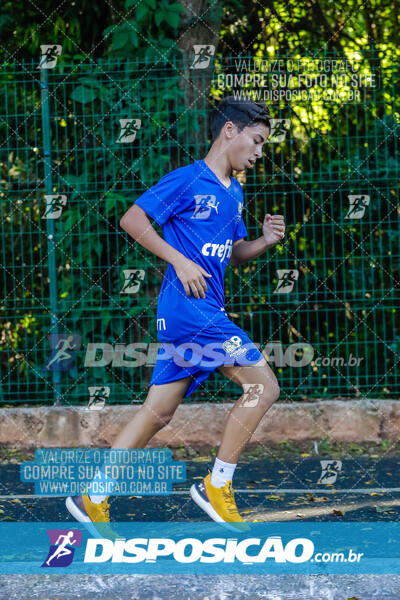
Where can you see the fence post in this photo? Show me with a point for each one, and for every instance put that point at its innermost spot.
(48, 186)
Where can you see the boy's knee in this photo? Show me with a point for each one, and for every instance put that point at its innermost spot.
(165, 418)
(268, 392)
(270, 395)
(275, 392)
(157, 417)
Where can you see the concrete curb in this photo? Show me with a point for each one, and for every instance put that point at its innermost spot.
(201, 424)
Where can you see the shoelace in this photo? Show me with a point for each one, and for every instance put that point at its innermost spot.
(229, 498)
(107, 509)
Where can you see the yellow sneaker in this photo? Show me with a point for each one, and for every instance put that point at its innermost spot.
(95, 517)
(218, 503)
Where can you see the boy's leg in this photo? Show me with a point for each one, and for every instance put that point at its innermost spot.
(214, 494)
(246, 415)
(156, 412)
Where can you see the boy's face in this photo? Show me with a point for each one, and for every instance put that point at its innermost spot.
(245, 147)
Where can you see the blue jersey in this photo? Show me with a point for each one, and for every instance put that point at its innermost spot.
(201, 218)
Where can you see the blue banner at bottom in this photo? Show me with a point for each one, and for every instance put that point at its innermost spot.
(199, 547)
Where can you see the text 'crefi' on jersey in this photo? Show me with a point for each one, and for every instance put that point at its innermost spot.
(201, 218)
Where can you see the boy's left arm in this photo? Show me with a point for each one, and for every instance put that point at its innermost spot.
(273, 232)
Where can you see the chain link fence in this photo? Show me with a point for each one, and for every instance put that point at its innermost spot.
(80, 142)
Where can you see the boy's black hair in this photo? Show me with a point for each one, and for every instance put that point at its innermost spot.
(241, 112)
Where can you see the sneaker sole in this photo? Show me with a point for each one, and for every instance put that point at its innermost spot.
(208, 508)
(205, 505)
(78, 515)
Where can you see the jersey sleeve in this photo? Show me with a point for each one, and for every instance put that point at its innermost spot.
(166, 198)
(240, 231)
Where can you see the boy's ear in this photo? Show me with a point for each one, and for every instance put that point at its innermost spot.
(229, 130)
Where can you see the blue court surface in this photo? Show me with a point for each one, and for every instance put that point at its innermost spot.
(284, 490)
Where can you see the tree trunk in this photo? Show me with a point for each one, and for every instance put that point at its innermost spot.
(200, 25)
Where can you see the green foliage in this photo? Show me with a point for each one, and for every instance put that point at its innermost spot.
(345, 293)
(150, 33)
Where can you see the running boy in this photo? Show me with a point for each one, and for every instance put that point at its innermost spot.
(199, 207)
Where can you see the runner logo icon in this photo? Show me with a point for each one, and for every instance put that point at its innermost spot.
(61, 551)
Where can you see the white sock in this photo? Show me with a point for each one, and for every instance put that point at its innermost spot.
(222, 472)
(97, 499)
(103, 478)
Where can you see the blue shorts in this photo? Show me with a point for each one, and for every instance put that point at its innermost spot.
(222, 344)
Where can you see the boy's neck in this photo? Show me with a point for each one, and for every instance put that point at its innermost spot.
(218, 163)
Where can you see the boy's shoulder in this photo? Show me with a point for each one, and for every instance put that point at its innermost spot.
(188, 175)
(180, 172)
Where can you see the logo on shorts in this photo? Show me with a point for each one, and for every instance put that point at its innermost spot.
(233, 346)
(161, 325)
(204, 204)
